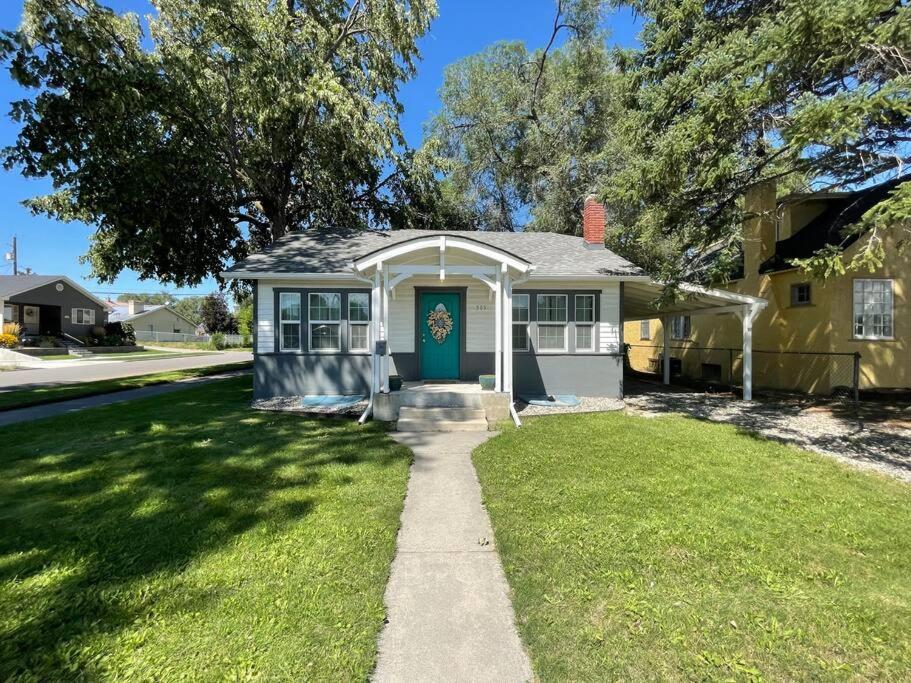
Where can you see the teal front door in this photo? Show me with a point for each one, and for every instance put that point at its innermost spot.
(439, 328)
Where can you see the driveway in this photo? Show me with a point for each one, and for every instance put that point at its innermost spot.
(92, 371)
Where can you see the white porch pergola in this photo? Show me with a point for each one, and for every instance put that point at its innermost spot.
(638, 304)
(382, 271)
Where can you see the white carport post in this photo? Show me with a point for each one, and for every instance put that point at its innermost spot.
(666, 359)
(747, 315)
(498, 333)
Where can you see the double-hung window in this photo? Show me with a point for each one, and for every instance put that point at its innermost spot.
(520, 318)
(359, 321)
(645, 332)
(325, 321)
(83, 316)
(681, 327)
(585, 322)
(552, 320)
(873, 309)
(289, 337)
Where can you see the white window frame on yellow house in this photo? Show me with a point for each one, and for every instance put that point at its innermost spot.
(888, 310)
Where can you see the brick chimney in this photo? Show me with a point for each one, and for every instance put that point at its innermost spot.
(593, 223)
(759, 205)
(134, 307)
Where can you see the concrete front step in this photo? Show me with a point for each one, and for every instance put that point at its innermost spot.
(441, 420)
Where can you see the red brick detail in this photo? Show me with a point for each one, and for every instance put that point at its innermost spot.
(593, 222)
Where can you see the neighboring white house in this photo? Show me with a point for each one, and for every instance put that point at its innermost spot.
(144, 318)
(338, 312)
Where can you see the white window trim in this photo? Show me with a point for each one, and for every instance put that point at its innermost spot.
(874, 337)
(564, 325)
(91, 316)
(282, 322)
(647, 326)
(311, 322)
(524, 323)
(358, 323)
(585, 323)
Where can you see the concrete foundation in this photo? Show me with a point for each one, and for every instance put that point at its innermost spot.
(495, 404)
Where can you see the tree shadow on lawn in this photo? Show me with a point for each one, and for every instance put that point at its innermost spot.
(94, 504)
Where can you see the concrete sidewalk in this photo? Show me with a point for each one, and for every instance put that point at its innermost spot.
(449, 612)
(9, 417)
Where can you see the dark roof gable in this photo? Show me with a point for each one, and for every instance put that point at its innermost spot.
(829, 226)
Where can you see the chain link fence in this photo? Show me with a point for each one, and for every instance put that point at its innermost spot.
(808, 372)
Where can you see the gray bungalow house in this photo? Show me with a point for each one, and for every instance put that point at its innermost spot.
(339, 312)
(50, 305)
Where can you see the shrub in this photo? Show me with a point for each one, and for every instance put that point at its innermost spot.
(97, 332)
(217, 341)
(8, 341)
(118, 334)
(14, 329)
(47, 342)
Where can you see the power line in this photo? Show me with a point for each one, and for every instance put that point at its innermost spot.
(140, 293)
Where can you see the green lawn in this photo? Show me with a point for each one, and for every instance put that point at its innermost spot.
(187, 536)
(22, 398)
(148, 354)
(676, 549)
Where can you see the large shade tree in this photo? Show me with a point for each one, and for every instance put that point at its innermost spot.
(230, 123)
(728, 93)
(524, 135)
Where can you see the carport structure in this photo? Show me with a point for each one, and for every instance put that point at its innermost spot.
(639, 303)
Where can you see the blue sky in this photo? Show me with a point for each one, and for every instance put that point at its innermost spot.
(463, 27)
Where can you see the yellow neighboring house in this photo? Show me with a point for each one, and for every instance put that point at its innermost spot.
(859, 312)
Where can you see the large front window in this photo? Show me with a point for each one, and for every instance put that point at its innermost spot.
(358, 322)
(289, 321)
(325, 321)
(520, 318)
(873, 309)
(552, 318)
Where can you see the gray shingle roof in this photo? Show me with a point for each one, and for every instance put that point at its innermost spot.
(332, 252)
(121, 313)
(13, 284)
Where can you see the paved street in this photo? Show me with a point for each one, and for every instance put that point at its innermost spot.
(96, 370)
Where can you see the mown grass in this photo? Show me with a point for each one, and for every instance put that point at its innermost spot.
(187, 537)
(676, 549)
(22, 398)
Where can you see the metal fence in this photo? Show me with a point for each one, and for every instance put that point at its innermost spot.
(809, 372)
(148, 336)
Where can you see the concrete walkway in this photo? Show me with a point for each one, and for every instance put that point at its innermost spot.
(9, 417)
(447, 602)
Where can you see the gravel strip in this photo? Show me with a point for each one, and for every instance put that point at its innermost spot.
(292, 404)
(830, 429)
(588, 404)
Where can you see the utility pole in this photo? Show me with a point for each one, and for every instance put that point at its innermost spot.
(14, 257)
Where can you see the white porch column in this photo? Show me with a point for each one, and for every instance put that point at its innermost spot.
(498, 334)
(747, 318)
(375, 313)
(666, 361)
(507, 337)
(385, 319)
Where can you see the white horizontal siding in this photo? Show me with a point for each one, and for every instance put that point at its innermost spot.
(609, 326)
(401, 320)
(480, 313)
(265, 318)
